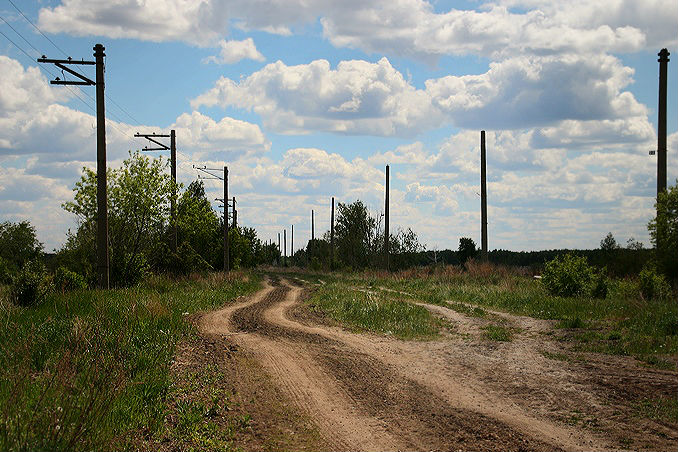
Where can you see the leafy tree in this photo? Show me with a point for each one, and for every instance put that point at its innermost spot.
(664, 231)
(355, 235)
(467, 249)
(139, 195)
(609, 243)
(633, 244)
(18, 245)
(199, 225)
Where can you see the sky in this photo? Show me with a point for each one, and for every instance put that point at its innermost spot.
(304, 100)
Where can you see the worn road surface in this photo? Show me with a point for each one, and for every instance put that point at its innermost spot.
(368, 392)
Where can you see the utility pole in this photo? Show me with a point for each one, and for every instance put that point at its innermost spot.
(279, 249)
(235, 215)
(285, 249)
(103, 281)
(332, 237)
(312, 226)
(483, 198)
(386, 233)
(208, 171)
(661, 121)
(152, 137)
(292, 245)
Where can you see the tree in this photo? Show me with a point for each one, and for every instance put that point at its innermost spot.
(664, 232)
(18, 245)
(139, 195)
(609, 243)
(633, 244)
(467, 249)
(355, 235)
(199, 225)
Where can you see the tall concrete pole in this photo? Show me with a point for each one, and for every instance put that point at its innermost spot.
(661, 121)
(386, 233)
(227, 253)
(173, 162)
(483, 197)
(103, 281)
(332, 237)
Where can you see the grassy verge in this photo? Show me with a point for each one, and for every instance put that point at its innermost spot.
(85, 369)
(622, 324)
(374, 311)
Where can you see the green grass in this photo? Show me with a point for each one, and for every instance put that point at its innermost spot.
(661, 409)
(378, 312)
(497, 333)
(641, 328)
(84, 369)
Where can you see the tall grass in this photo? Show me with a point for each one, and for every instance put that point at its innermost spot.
(623, 323)
(85, 369)
(373, 311)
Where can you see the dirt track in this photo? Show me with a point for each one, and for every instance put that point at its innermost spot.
(368, 392)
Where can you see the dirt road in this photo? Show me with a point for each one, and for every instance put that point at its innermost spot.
(368, 392)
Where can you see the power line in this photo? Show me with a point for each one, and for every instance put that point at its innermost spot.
(36, 27)
(20, 35)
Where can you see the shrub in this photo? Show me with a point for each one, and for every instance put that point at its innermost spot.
(653, 285)
(567, 276)
(599, 285)
(5, 272)
(31, 285)
(66, 280)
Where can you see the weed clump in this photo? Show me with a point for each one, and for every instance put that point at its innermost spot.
(653, 285)
(31, 285)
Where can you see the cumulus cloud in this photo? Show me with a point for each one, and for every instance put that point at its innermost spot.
(531, 91)
(358, 97)
(234, 51)
(410, 28)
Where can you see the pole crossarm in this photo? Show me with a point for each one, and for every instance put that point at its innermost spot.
(206, 170)
(151, 137)
(61, 65)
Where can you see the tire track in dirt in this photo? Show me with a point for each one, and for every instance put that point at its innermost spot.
(403, 412)
(301, 378)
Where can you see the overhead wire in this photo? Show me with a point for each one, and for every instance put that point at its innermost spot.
(36, 27)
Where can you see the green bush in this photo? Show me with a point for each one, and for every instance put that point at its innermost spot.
(31, 285)
(66, 280)
(653, 285)
(567, 276)
(599, 285)
(5, 272)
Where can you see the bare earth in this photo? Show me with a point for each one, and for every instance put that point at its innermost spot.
(463, 392)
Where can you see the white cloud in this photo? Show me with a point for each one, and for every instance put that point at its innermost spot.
(234, 51)
(409, 28)
(358, 97)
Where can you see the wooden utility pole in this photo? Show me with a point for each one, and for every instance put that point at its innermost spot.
(153, 138)
(332, 237)
(279, 249)
(312, 226)
(386, 233)
(103, 280)
(661, 121)
(483, 198)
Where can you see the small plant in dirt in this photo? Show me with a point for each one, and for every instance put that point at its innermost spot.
(567, 276)
(31, 285)
(653, 285)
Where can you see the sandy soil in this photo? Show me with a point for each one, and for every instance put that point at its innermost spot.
(463, 392)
